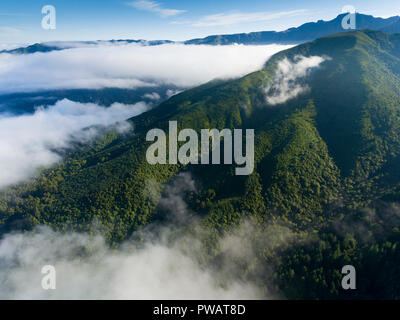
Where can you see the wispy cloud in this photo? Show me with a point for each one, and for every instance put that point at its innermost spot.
(162, 261)
(129, 66)
(153, 6)
(285, 85)
(39, 136)
(223, 19)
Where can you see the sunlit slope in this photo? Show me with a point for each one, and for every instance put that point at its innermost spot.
(335, 145)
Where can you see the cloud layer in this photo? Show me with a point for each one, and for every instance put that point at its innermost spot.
(165, 263)
(285, 83)
(35, 137)
(28, 142)
(129, 66)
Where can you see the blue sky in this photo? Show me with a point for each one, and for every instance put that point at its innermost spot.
(20, 21)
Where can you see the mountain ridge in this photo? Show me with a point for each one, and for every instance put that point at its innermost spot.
(325, 161)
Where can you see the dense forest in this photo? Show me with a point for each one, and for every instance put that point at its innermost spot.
(327, 172)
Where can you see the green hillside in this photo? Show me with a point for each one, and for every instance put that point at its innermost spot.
(326, 166)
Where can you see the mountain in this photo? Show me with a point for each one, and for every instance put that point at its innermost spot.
(327, 160)
(306, 32)
(28, 102)
(63, 45)
(37, 47)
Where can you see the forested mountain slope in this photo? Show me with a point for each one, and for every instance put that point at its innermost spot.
(327, 163)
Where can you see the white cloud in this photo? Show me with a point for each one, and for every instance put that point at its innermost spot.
(224, 19)
(153, 6)
(28, 142)
(285, 83)
(35, 137)
(166, 262)
(152, 96)
(82, 44)
(128, 66)
(86, 268)
(156, 271)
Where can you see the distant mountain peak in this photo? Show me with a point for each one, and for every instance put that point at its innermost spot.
(306, 32)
